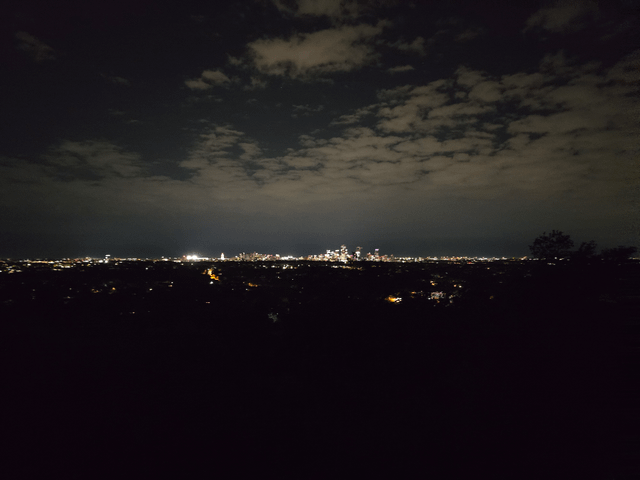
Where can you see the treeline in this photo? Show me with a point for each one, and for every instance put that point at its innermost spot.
(559, 245)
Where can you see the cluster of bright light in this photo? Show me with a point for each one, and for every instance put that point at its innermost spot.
(212, 275)
(342, 255)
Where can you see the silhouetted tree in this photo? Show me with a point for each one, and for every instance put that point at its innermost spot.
(555, 244)
(618, 254)
(585, 251)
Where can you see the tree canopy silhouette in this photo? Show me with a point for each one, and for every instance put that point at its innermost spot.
(554, 245)
(586, 251)
(618, 254)
(558, 245)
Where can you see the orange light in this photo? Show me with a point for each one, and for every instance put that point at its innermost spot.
(212, 275)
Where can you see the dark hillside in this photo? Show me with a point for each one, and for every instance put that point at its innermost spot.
(515, 367)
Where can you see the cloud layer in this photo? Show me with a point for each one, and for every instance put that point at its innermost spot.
(302, 118)
(444, 139)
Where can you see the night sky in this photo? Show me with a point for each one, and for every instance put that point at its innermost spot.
(137, 128)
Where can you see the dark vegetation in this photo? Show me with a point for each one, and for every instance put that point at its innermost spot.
(558, 245)
(507, 368)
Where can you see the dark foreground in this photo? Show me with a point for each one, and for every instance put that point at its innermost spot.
(312, 372)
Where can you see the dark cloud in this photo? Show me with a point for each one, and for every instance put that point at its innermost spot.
(208, 79)
(400, 69)
(334, 9)
(564, 15)
(417, 45)
(118, 80)
(469, 34)
(38, 50)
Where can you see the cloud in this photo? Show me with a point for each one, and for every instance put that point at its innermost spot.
(469, 78)
(251, 150)
(626, 70)
(208, 79)
(563, 16)
(329, 8)
(235, 61)
(416, 46)
(400, 69)
(117, 80)
(197, 84)
(256, 83)
(226, 165)
(339, 49)
(213, 144)
(306, 110)
(352, 118)
(410, 106)
(487, 91)
(469, 34)
(394, 95)
(215, 77)
(39, 50)
(437, 105)
(559, 132)
(92, 159)
(82, 193)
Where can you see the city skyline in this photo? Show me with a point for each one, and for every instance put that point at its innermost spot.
(422, 129)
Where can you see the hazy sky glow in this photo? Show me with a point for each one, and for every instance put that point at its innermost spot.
(291, 127)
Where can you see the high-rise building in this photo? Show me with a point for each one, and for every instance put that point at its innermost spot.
(344, 253)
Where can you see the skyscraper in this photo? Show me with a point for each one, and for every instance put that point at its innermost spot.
(344, 253)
